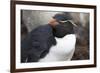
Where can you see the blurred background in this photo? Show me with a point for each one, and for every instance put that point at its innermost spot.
(31, 19)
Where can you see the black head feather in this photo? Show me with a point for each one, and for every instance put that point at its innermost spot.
(63, 29)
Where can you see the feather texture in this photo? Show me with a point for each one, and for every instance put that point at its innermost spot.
(62, 51)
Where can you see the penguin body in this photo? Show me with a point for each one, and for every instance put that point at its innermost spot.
(62, 51)
(47, 43)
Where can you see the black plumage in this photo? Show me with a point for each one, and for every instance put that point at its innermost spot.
(37, 45)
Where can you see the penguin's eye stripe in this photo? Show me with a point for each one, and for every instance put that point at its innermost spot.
(72, 23)
(63, 21)
(68, 21)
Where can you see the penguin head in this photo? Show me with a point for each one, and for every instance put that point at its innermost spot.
(63, 28)
(64, 25)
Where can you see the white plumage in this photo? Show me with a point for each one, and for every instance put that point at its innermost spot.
(63, 50)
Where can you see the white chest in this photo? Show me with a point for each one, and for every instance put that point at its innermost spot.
(62, 51)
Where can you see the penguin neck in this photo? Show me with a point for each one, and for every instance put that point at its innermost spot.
(66, 36)
(70, 32)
